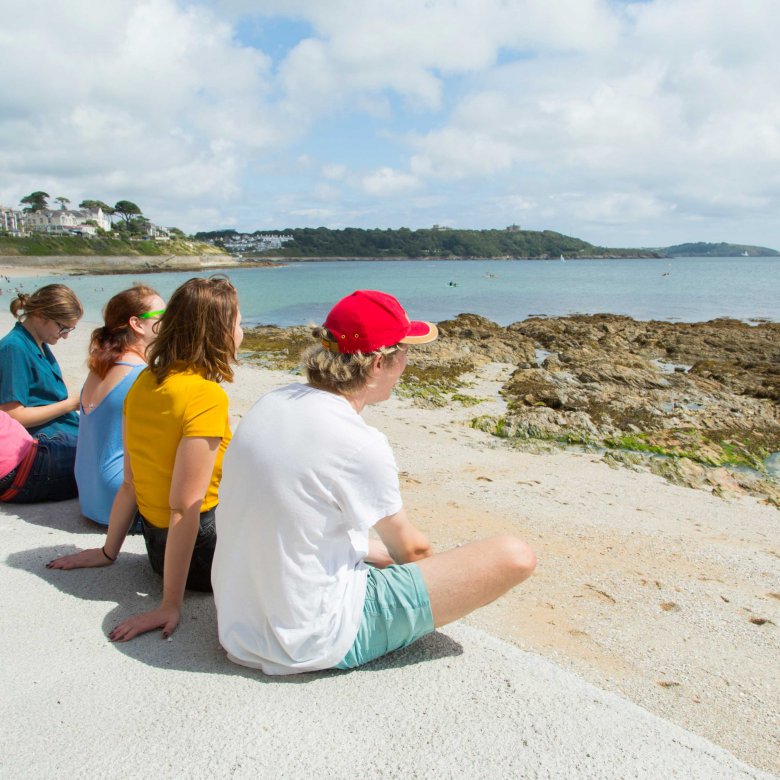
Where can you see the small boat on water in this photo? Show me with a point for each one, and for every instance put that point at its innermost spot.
(563, 259)
(745, 254)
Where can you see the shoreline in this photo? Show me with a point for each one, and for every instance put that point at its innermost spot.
(102, 265)
(106, 264)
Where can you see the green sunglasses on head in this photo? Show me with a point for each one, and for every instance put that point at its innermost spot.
(149, 314)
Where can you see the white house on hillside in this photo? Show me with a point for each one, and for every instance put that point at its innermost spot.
(11, 221)
(64, 221)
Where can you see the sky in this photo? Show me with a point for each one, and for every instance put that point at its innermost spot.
(626, 124)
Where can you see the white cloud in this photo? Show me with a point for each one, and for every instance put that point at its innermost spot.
(386, 182)
(596, 117)
(410, 47)
(672, 106)
(334, 171)
(141, 99)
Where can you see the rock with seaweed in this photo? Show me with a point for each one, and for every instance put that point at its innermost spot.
(698, 403)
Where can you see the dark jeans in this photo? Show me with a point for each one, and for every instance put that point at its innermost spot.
(199, 577)
(51, 476)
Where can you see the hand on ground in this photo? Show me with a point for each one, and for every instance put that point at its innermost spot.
(81, 560)
(166, 618)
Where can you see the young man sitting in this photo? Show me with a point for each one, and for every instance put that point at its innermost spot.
(303, 481)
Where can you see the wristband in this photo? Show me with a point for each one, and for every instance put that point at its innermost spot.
(103, 550)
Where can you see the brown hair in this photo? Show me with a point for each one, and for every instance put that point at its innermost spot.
(196, 330)
(54, 302)
(116, 336)
(330, 370)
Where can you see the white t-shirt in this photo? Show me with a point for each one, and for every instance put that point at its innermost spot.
(303, 480)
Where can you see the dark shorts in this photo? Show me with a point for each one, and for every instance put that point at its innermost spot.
(51, 476)
(199, 576)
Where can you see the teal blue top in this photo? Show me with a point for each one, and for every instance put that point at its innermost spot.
(31, 376)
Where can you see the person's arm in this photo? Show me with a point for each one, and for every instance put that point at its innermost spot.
(192, 470)
(123, 512)
(378, 555)
(404, 542)
(33, 416)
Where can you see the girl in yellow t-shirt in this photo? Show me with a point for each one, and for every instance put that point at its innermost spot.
(175, 434)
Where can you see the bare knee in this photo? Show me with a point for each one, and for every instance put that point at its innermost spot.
(518, 558)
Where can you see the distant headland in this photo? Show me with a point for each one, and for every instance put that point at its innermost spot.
(227, 248)
(446, 243)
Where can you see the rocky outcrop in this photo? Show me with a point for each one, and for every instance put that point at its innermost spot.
(685, 399)
(704, 394)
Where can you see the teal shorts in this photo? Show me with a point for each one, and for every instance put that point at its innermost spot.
(397, 612)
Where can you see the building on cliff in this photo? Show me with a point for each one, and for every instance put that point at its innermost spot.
(11, 221)
(67, 221)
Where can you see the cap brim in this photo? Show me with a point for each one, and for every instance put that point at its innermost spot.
(421, 333)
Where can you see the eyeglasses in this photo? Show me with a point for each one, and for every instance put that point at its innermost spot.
(147, 315)
(64, 329)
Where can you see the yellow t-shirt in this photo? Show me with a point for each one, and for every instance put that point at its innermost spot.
(157, 417)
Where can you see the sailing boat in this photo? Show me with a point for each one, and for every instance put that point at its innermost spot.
(563, 259)
(745, 254)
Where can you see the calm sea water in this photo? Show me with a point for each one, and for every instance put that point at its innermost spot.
(688, 289)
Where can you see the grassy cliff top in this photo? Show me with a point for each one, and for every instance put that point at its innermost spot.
(42, 245)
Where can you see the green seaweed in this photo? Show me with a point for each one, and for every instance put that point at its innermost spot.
(467, 400)
(275, 347)
(691, 444)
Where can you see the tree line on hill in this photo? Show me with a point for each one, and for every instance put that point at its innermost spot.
(722, 249)
(432, 242)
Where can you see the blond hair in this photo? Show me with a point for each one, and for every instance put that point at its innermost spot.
(328, 369)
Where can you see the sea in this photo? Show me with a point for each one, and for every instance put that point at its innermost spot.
(685, 289)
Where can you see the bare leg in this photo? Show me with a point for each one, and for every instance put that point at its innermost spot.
(466, 578)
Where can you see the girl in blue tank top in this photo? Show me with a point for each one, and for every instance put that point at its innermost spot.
(117, 354)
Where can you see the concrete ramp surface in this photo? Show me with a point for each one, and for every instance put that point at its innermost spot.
(459, 703)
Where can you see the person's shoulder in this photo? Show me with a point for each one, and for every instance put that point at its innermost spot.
(143, 379)
(293, 392)
(12, 336)
(201, 389)
(15, 342)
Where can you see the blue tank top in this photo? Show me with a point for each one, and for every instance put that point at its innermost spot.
(99, 454)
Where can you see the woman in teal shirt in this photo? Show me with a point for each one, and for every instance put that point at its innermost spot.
(32, 390)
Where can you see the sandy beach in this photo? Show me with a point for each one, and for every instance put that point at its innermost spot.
(25, 266)
(665, 598)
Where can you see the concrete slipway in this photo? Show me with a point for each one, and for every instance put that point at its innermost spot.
(460, 703)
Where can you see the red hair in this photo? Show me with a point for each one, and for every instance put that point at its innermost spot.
(116, 336)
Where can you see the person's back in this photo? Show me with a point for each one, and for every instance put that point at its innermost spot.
(176, 428)
(99, 452)
(303, 482)
(294, 599)
(157, 416)
(117, 354)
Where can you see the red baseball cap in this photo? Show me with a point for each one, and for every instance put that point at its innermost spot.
(367, 320)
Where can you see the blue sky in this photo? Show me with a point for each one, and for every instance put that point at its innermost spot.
(626, 124)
